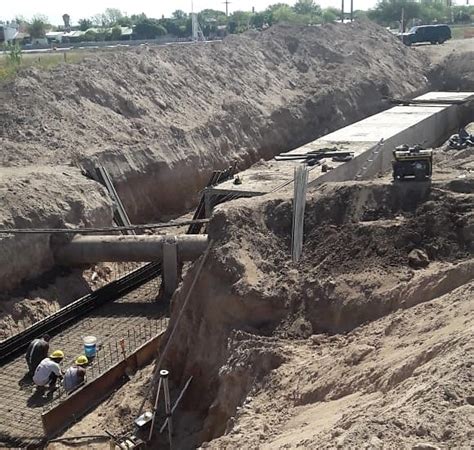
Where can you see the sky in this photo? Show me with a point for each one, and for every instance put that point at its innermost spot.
(54, 9)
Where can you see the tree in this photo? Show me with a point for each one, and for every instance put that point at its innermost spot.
(116, 33)
(258, 20)
(270, 12)
(388, 12)
(210, 19)
(38, 27)
(85, 24)
(90, 36)
(283, 13)
(179, 15)
(136, 18)
(239, 21)
(307, 7)
(462, 14)
(329, 15)
(111, 17)
(433, 12)
(125, 21)
(149, 29)
(213, 16)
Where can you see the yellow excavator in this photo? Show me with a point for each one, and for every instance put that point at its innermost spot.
(412, 163)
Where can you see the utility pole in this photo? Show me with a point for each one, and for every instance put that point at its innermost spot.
(342, 11)
(352, 10)
(227, 3)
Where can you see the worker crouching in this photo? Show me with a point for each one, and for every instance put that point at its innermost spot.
(75, 375)
(49, 371)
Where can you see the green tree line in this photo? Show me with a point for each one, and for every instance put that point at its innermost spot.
(107, 26)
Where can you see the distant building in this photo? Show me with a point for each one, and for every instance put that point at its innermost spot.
(8, 32)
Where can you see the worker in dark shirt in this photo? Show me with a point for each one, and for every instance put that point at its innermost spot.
(36, 352)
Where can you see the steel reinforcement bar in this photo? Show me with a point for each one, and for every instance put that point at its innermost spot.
(112, 291)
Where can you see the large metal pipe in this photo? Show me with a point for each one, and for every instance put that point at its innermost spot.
(93, 249)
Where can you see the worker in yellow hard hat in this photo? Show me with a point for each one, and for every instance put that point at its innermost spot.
(76, 374)
(49, 370)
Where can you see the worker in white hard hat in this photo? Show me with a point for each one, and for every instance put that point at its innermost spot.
(49, 371)
(76, 374)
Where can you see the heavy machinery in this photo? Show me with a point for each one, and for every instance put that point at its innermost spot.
(412, 162)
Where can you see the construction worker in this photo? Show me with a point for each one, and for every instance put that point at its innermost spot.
(49, 370)
(36, 352)
(76, 374)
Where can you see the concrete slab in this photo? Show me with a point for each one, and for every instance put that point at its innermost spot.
(427, 124)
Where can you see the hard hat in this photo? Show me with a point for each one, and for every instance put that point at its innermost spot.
(82, 360)
(57, 354)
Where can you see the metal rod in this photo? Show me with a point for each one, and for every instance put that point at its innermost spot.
(97, 358)
(155, 407)
(164, 375)
(177, 402)
(100, 230)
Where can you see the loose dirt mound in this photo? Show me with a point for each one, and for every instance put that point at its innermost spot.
(362, 249)
(402, 381)
(162, 118)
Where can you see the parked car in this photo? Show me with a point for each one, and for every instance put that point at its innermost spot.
(435, 34)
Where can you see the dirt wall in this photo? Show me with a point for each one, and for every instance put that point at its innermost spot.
(161, 118)
(43, 197)
(357, 266)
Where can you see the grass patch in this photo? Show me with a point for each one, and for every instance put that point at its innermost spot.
(44, 61)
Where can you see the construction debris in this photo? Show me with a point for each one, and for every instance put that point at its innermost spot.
(461, 140)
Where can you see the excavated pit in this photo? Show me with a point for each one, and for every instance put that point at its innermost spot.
(362, 241)
(160, 119)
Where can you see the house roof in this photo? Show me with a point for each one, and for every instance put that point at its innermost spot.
(75, 33)
(126, 31)
(53, 34)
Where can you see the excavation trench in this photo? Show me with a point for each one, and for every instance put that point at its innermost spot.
(161, 119)
(357, 267)
(172, 117)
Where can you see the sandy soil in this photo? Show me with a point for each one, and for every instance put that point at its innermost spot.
(438, 53)
(353, 346)
(358, 343)
(162, 118)
(401, 381)
(451, 65)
